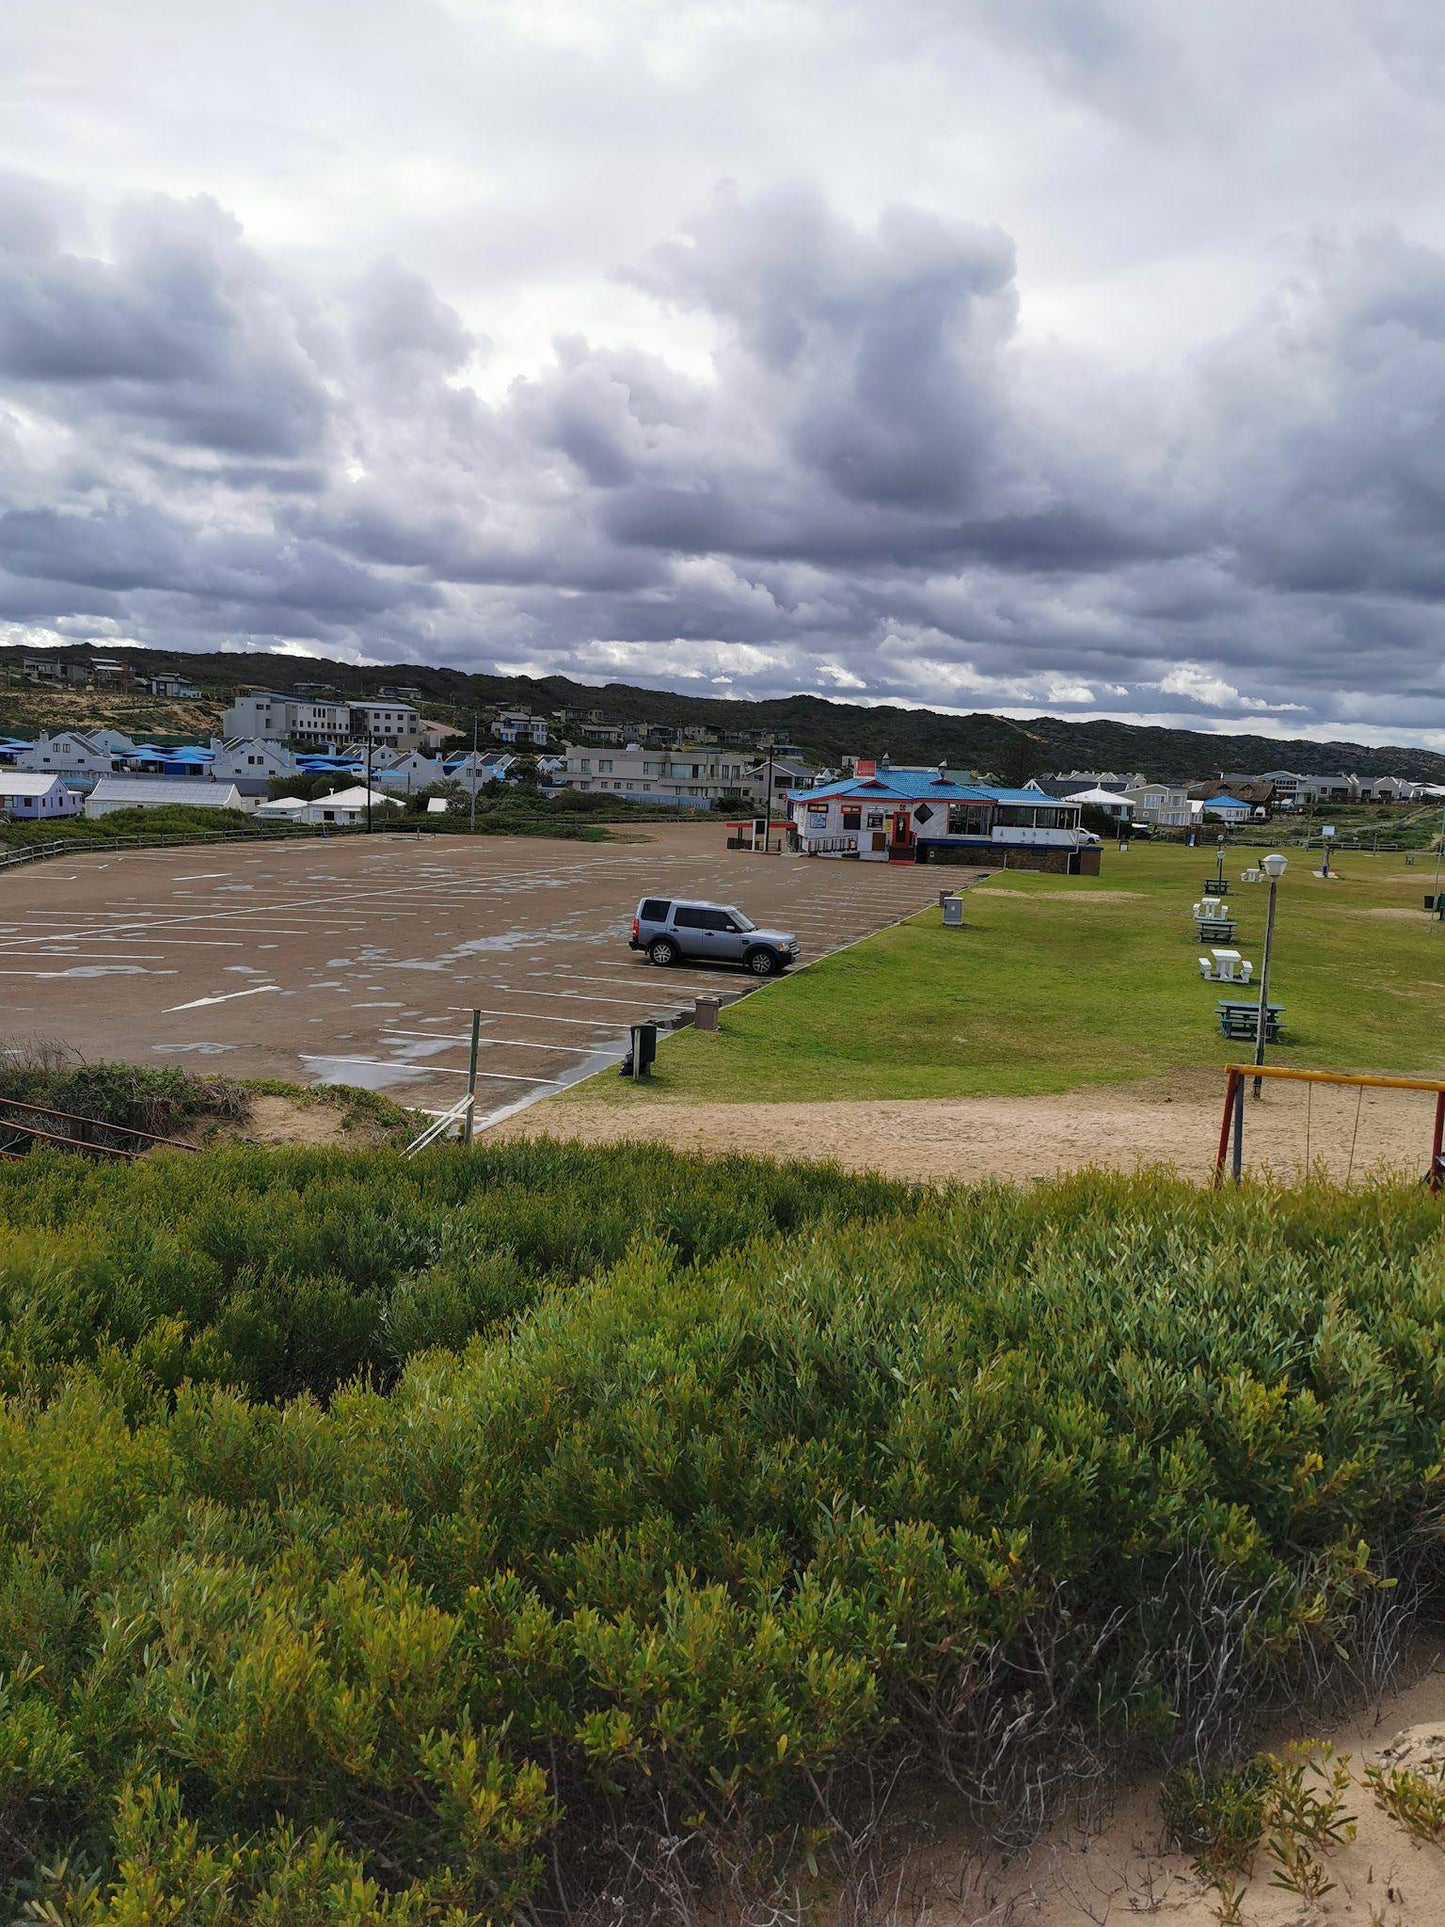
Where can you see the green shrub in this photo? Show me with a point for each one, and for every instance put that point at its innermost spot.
(769, 1487)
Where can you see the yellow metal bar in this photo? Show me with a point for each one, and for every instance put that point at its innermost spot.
(1337, 1077)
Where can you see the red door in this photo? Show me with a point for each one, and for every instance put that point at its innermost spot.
(902, 830)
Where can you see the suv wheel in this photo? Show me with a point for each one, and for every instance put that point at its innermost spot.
(663, 951)
(762, 963)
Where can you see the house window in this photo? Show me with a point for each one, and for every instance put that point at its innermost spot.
(852, 818)
(606, 765)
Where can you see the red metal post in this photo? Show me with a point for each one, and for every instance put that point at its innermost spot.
(1229, 1091)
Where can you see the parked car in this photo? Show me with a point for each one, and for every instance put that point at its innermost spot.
(670, 930)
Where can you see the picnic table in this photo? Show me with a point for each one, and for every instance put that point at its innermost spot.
(1214, 887)
(1241, 1020)
(1225, 967)
(1215, 929)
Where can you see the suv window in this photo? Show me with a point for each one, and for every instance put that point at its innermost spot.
(684, 919)
(654, 909)
(714, 920)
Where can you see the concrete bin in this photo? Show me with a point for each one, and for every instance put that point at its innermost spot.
(706, 1009)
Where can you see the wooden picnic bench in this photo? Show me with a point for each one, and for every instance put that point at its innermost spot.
(1215, 929)
(1241, 1020)
(1214, 887)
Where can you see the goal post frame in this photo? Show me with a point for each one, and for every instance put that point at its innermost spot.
(1232, 1123)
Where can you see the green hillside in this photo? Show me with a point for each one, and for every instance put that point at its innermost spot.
(830, 730)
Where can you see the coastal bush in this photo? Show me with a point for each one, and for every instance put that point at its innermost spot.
(287, 1272)
(731, 1525)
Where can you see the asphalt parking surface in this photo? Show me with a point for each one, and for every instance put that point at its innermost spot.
(357, 960)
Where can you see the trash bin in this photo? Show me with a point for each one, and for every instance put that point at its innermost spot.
(953, 913)
(644, 1049)
(705, 1013)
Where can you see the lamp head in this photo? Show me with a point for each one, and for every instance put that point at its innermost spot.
(1274, 866)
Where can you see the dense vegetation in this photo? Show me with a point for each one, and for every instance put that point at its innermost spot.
(758, 1492)
(161, 1100)
(829, 730)
(175, 820)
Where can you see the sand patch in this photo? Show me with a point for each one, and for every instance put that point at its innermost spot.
(1170, 1121)
(1122, 1867)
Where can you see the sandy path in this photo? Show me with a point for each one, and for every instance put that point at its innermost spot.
(1123, 1869)
(1165, 1121)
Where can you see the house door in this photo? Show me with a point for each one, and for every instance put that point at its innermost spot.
(902, 830)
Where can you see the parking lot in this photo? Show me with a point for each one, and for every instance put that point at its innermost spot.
(357, 960)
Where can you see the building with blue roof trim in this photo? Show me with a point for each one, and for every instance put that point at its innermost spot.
(917, 816)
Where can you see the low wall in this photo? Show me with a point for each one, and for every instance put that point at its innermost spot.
(1015, 856)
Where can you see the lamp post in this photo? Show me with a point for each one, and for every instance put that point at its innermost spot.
(1274, 868)
(368, 780)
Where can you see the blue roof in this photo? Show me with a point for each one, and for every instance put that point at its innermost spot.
(1225, 803)
(920, 785)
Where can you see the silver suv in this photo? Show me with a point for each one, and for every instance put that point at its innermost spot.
(669, 930)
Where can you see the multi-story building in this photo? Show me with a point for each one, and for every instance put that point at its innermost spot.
(396, 723)
(689, 778)
(306, 720)
(286, 719)
(1162, 806)
(519, 726)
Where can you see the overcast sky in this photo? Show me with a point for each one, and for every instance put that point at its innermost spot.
(1073, 355)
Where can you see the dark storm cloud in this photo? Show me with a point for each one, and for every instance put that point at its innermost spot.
(876, 490)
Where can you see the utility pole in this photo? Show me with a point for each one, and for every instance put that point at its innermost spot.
(368, 781)
(472, 824)
(1273, 867)
(768, 803)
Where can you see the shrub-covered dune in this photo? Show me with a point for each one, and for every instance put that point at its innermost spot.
(728, 1497)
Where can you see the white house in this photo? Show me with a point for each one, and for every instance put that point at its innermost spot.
(251, 759)
(519, 726)
(281, 809)
(346, 809)
(899, 814)
(30, 799)
(409, 773)
(161, 793)
(1161, 805)
(1386, 789)
(73, 752)
(1225, 809)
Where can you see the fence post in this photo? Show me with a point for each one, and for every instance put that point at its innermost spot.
(472, 1077)
(1224, 1125)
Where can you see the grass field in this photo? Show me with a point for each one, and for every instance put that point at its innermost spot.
(1058, 983)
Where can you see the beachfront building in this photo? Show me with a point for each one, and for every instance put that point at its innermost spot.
(910, 816)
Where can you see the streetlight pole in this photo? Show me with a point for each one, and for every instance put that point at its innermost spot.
(1273, 867)
(368, 781)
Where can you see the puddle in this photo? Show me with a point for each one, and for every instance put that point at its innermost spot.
(107, 970)
(369, 1075)
(243, 970)
(201, 1050)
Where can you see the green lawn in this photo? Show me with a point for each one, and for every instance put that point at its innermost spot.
(1056, 983)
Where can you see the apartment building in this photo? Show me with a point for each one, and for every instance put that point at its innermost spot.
(308, 720)
(690, 778)
(393, 722)
(1162, 806)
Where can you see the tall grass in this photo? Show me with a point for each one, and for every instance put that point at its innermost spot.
(747, 1501)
